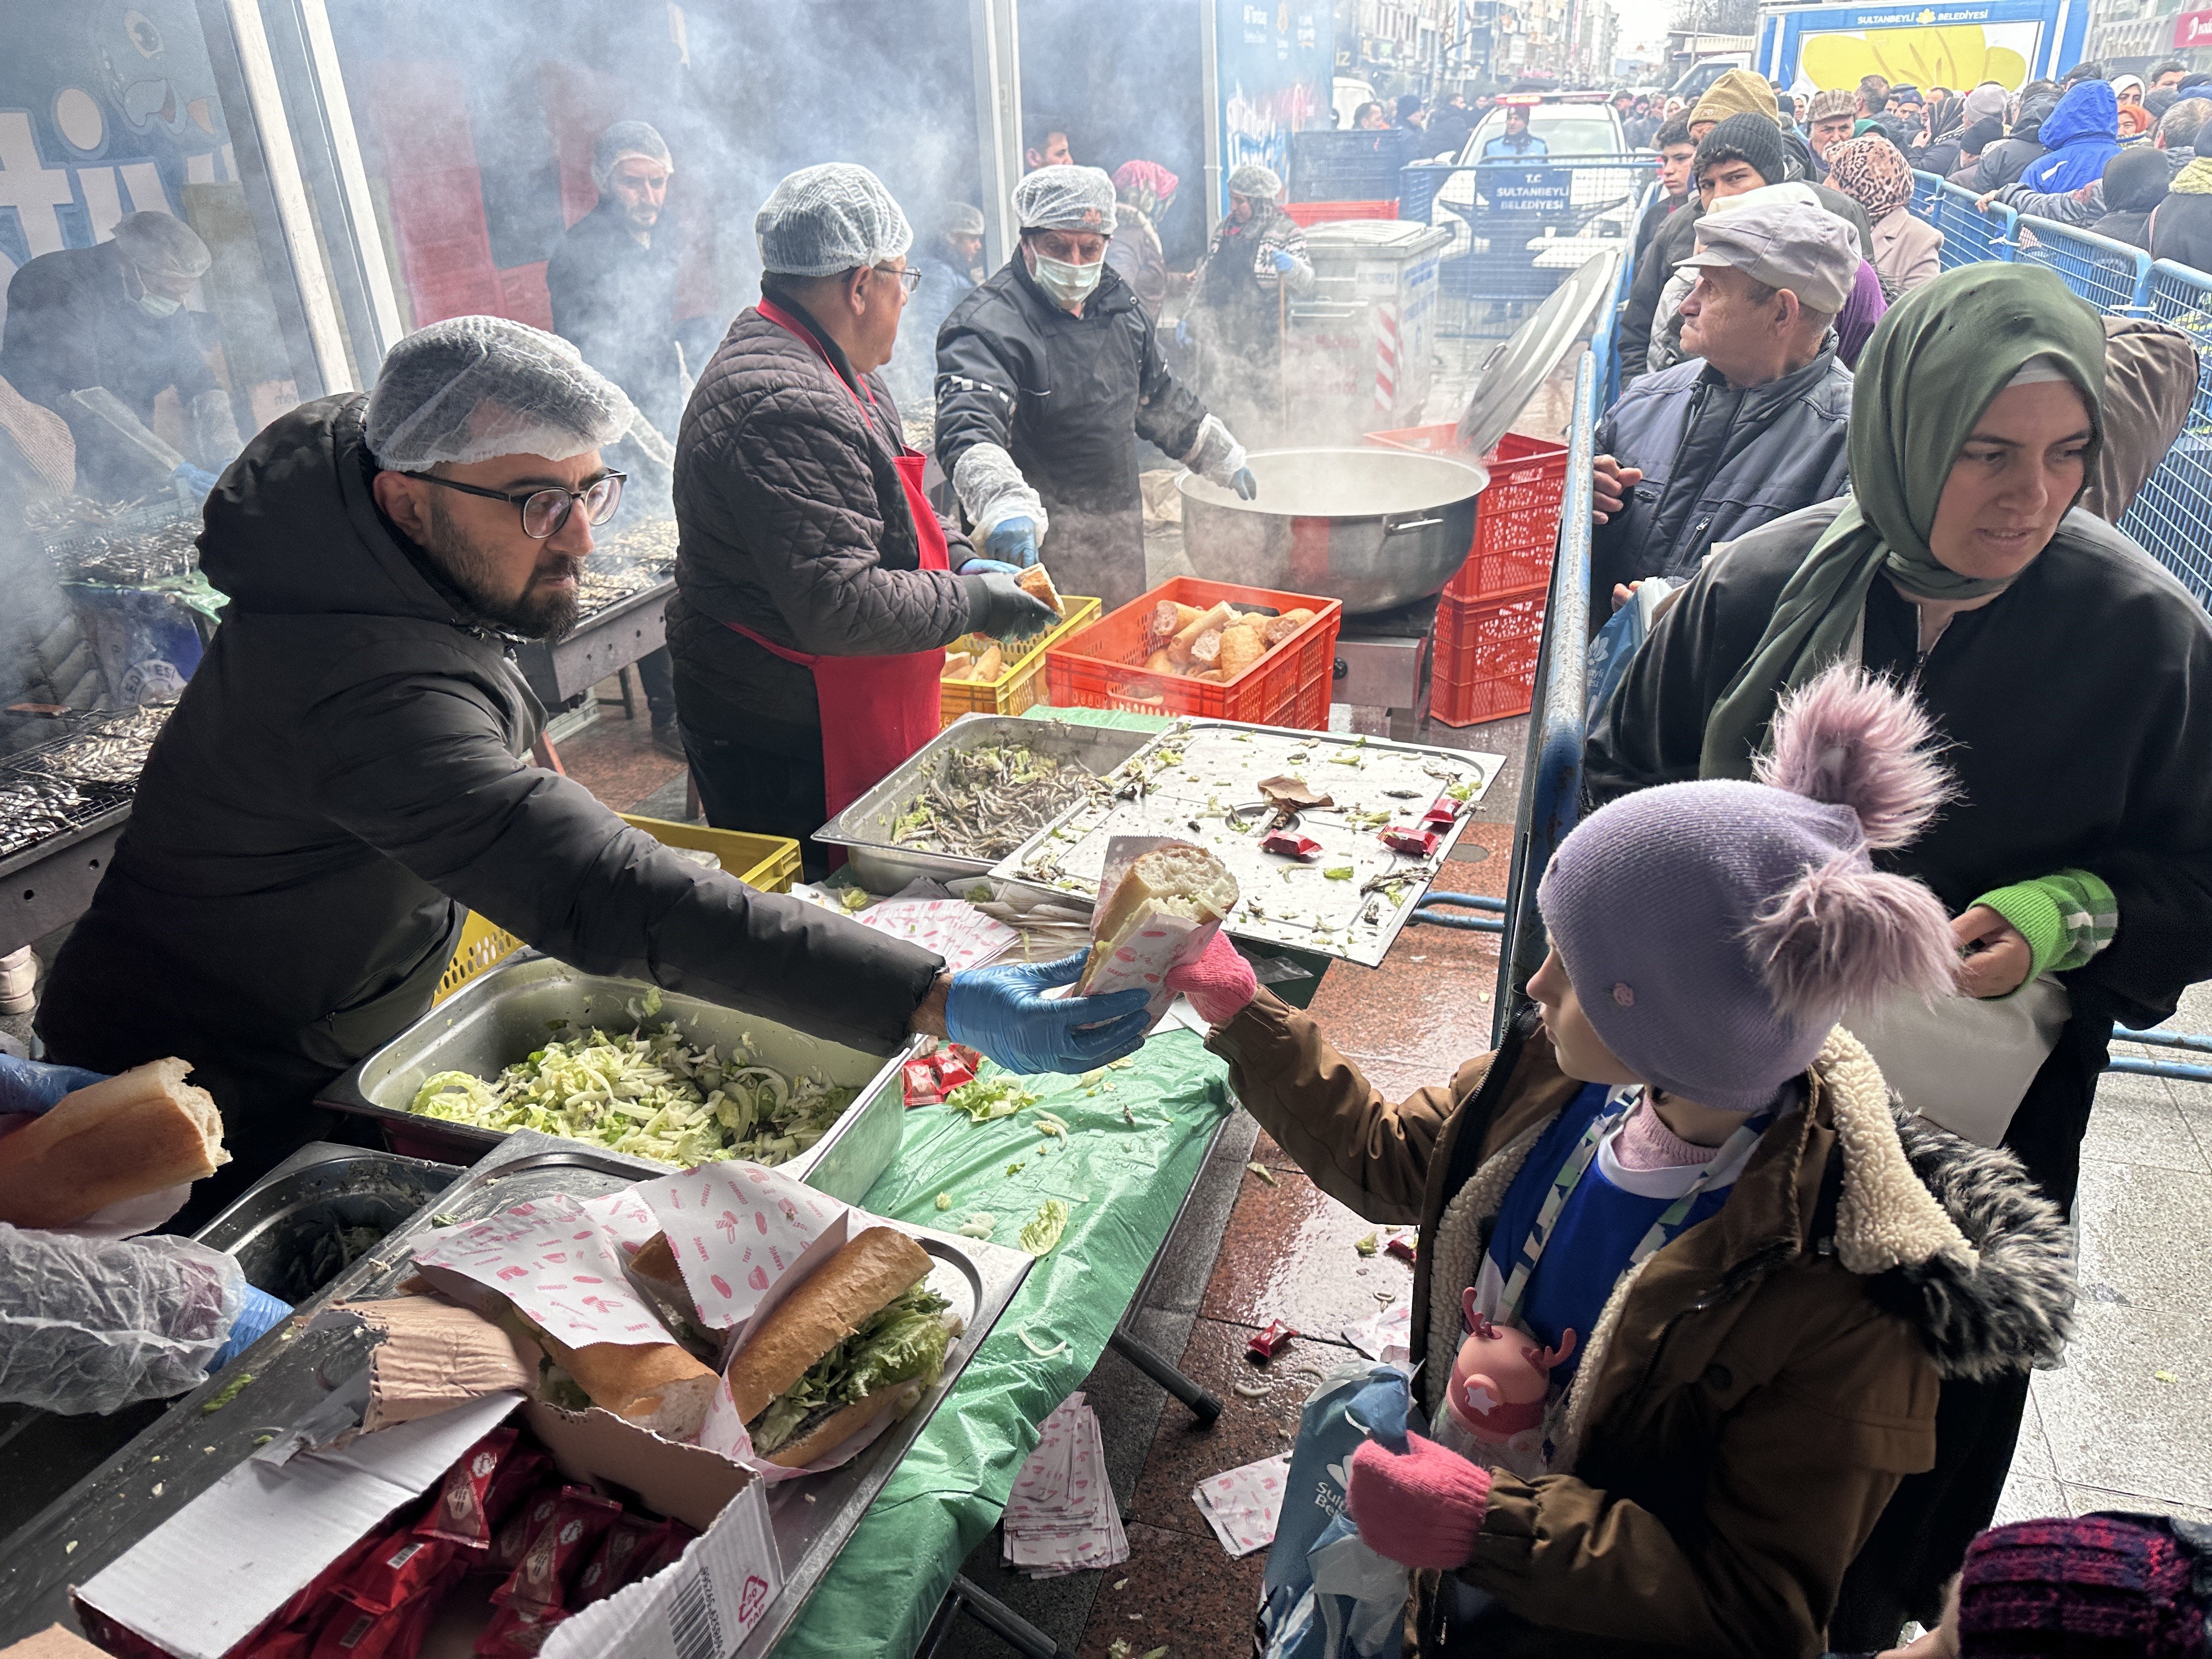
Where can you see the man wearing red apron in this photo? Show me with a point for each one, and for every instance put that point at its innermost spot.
(816, 586)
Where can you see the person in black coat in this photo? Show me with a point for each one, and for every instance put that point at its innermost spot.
(2002, 162)
(2180, 225)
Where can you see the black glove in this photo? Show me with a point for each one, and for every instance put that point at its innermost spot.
(998, 606)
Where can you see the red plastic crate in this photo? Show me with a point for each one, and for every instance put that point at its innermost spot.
(1485, 667)
(1516, 518)
(1103, 666)
(1317, 213)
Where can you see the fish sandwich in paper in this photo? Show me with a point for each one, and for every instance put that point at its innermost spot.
(1160, 904)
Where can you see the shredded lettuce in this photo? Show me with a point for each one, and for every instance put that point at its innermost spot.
(648, 1093)
(904, 1340)
(1042, 1230)
(999, 1095)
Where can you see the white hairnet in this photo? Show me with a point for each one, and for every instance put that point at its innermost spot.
(163, 245)
(823, 220)
(1254, 183)
(621, 141)
(1066, 198)
(470, 388)
(959, 219)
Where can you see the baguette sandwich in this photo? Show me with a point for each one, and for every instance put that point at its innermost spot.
(1034, 582)
(659, 1386)
(861, 1334)
(1173, 880)
(137, 1132)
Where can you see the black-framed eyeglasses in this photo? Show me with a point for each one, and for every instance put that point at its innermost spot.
(546, 508)
(909, 279)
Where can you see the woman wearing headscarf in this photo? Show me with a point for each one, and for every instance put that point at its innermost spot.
(1937, 152)
(2079, 137)
(2077, 858)
(2127, 92)
(1143, 190)
(1873, 172)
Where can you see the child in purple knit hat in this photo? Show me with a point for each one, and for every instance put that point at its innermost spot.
(1678, 1197)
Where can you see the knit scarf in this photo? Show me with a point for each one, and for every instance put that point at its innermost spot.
(2195, 179)
(1934, 362)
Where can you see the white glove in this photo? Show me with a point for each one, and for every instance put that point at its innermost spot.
(215, 429)
(1217, 456)
(991, 489)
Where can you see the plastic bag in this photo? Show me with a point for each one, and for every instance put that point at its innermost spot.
(991, 489)
(1325, 1594)
(92, 1325)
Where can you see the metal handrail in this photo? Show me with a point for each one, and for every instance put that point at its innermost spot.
(1551, 775)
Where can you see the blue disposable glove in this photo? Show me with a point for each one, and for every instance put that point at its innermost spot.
(262, 1314)
(1013, 540)
(980, 567)
(30, 1085)
(1182, 330)
(192, 483)
(1002, 1011)
(1246, 486)
(1285, 261)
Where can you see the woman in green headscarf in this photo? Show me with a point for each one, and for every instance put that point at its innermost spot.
(2072, 677)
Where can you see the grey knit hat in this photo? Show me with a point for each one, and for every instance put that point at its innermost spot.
(1715, 931)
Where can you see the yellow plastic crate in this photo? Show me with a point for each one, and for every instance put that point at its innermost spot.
(768, 862)
(1022, 685)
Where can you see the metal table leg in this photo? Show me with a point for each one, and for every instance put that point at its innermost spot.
(994, 1616)
(1203, 1406)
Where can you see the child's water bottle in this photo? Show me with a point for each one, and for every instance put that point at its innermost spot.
(1500, 1384)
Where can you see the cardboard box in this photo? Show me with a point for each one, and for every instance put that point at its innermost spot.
(211, 1575)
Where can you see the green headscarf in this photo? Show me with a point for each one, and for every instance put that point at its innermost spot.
(1929, 370)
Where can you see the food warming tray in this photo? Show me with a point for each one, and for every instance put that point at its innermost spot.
(1198, 781)
(188, 1450)
(864, 829)
(503, 1013)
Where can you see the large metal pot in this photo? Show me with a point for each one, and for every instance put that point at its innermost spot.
(1372, 528)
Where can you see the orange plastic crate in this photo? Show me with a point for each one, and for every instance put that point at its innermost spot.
(1485, 667)
(1516, 519)
(1319, 213)
(1103, 666)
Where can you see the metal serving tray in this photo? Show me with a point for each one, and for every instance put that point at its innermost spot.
(49, 883)
(864, 829)
(1187, 781)
(188, 1450)
(503, 1013)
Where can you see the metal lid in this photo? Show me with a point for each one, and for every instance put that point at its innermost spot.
(1511, 375)
(1374, 235)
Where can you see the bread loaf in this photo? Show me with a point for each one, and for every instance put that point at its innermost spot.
(1034, 582)
(137, 1132)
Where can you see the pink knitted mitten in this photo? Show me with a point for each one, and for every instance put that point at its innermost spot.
(1218, 984)
(1422, 1506)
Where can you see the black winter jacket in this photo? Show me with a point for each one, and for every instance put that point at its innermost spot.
(2181, 230)
(1716, 462)
(792, 522)
(2002, 162)
(340, 777)
(1676, 240)
(616, 299)
(1067, 397)
(2065, 755)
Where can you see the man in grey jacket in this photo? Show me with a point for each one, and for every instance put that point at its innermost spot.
(1753, 427)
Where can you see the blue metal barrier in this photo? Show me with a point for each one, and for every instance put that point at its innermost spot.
(2171, 515)
(1551, 775)
(1971, 234)
(1518, 228)
(2110, 275)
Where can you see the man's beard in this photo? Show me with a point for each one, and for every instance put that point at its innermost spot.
(536, 615)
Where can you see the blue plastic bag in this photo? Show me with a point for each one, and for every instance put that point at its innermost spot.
(1325, 1594)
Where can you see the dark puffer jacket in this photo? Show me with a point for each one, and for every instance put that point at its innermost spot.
(1716, 462)
(1067, 397)
(2002, 162)
(339, 778)
(792, 522)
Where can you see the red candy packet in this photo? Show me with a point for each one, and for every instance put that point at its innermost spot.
(461, 1513)
(516, 1629)
(520, 1528)
(609, 1568)
(659, 1552)
(400, 1568)
(558, 1553)
(354, 1633)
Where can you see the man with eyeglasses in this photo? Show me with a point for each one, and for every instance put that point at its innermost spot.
(816, 586)
(348, 771)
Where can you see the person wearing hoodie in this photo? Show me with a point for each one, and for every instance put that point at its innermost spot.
(1978, 417)
(2079, 137)
(2003, 161)
(345, 777)
(2174, 140)
(2181, 225)
(1684, 1184)
(2136, 181)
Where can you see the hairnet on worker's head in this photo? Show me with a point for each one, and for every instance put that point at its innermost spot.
(621, 141)
(1066, 198)
(163, 245)
(959, 219)
(823, 220)
(1255, 183)
(470, 388)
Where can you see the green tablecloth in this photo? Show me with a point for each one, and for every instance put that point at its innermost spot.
(1138, 1137)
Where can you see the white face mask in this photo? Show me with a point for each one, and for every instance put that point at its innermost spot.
(158, 305)
(1067, 284)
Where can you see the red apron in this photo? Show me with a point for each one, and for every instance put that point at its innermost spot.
(880, 709)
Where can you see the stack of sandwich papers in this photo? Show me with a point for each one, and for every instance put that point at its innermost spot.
(1243, 1504)
(1062, 1516)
